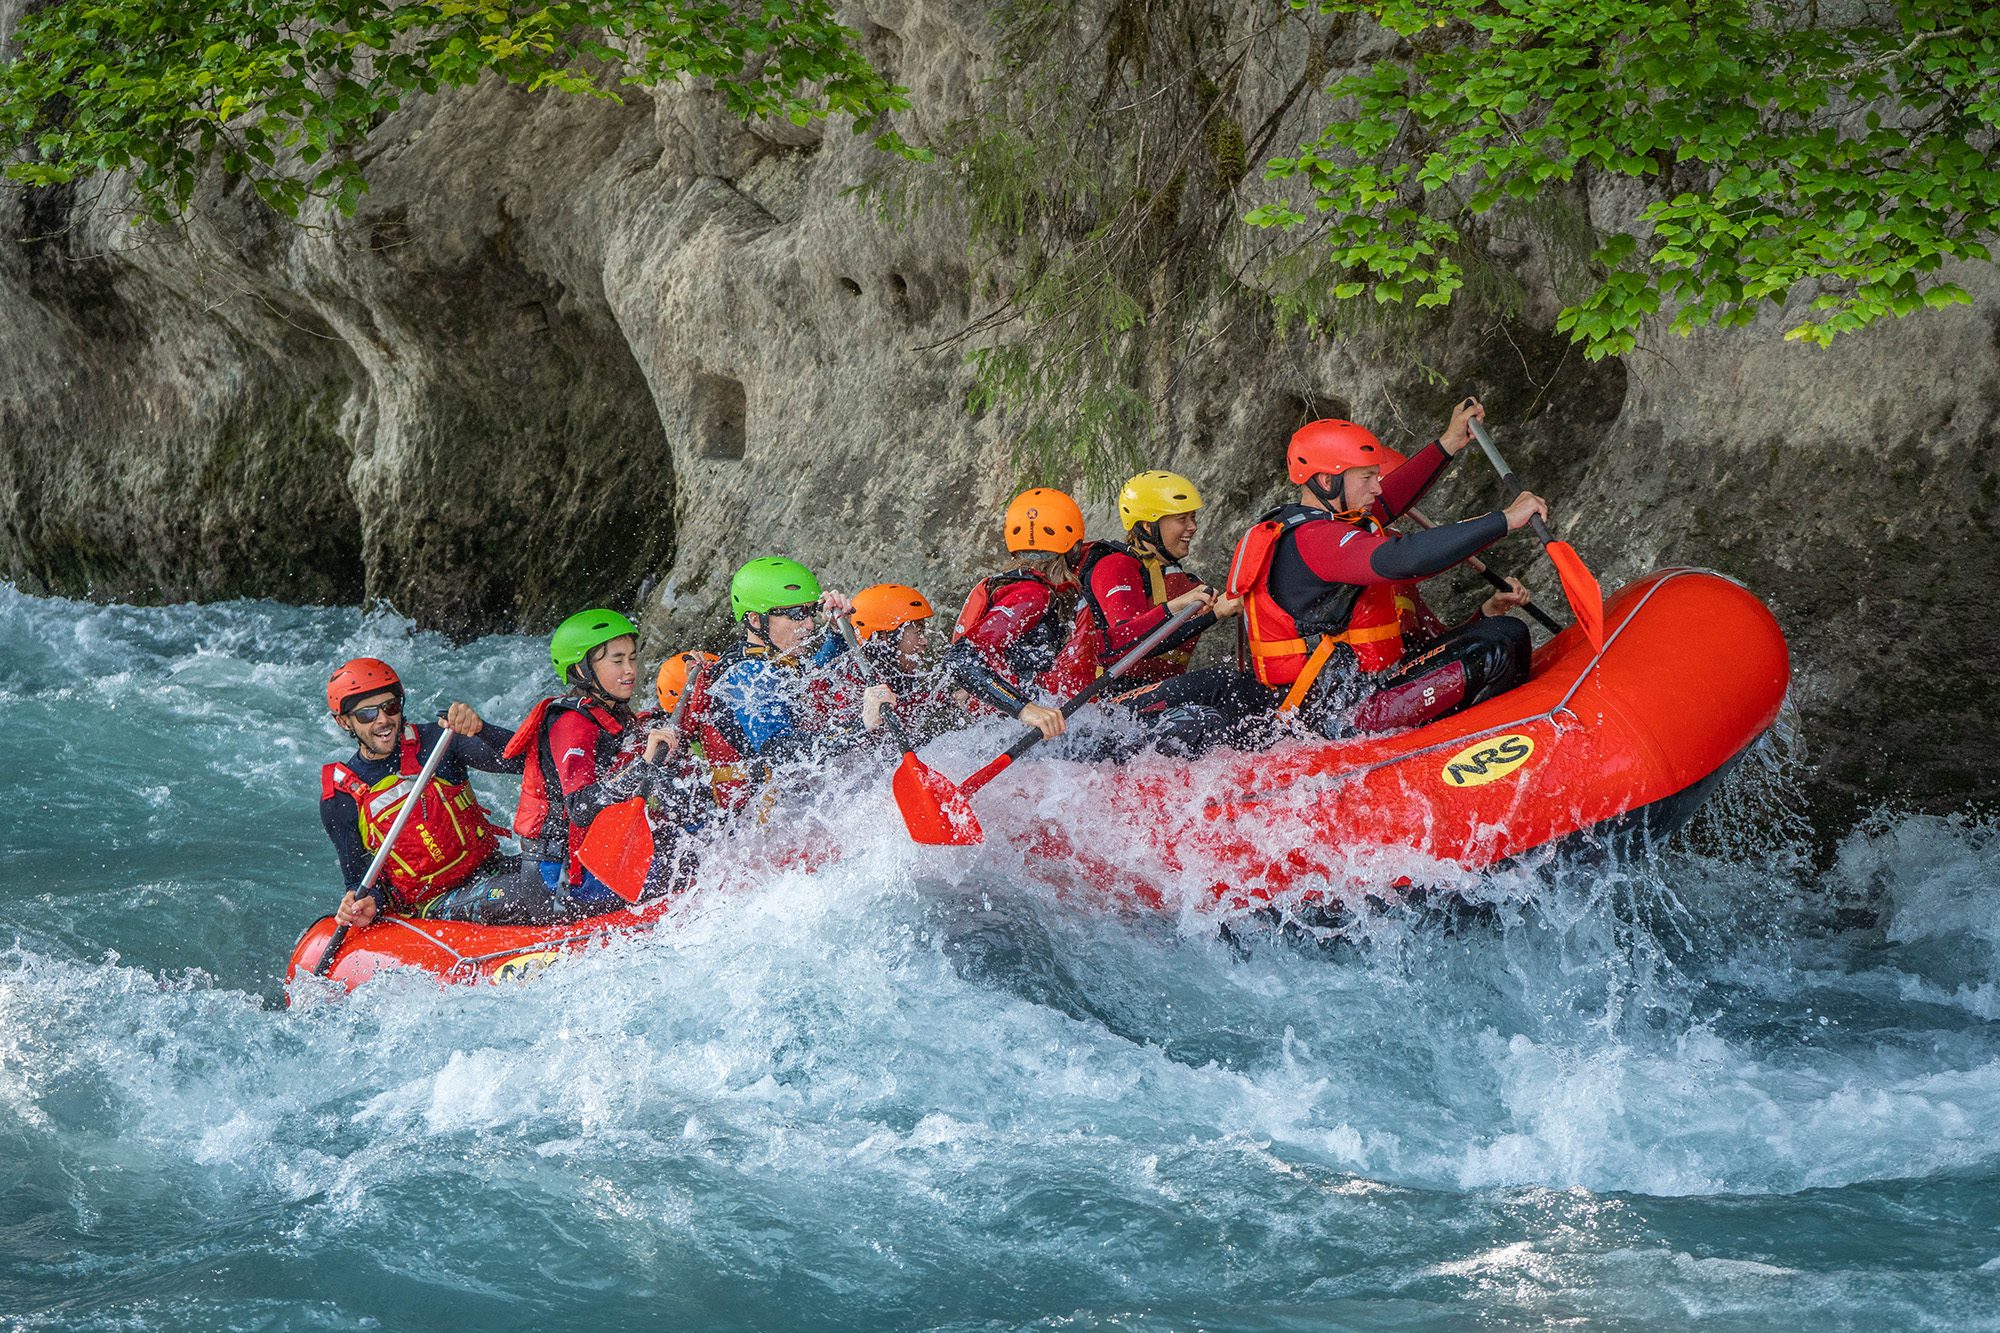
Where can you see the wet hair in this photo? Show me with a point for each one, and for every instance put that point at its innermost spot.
(1045, 563)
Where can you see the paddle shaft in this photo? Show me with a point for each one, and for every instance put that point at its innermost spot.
(1507, 477)
(1579, 585)
(1082, 697)
(1485, 571)
(867, 670)
(424, 776)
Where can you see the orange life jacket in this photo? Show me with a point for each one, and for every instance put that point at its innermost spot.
(447, 839)
(1287, 651)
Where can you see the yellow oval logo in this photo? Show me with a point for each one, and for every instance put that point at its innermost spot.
(1487, 761)
(522, 966)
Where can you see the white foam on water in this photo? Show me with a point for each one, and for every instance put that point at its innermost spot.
(932, 1085)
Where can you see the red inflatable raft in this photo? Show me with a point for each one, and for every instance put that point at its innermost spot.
(1596, 743)
(459, 950)
(1633, 737)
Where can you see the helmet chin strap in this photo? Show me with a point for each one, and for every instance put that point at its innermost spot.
(1146, 536)
(1334, 497)
(584, 677)
(762, 631)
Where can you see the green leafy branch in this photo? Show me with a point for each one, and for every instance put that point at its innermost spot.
(283, 92)
(1785, 153)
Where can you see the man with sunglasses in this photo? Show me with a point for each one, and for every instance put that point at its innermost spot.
(447, 864)
(772, 698)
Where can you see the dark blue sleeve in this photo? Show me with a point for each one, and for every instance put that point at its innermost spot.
(483, 751)
(757, 699)
(1418, 555)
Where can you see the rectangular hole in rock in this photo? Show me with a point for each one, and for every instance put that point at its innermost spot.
(719, 409)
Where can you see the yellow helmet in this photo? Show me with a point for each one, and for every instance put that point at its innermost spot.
(1151, 496)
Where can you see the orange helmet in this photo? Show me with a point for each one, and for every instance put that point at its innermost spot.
(674, 673)
(1334, 446)
(1043, 520)
(363, 675)
(887, 607)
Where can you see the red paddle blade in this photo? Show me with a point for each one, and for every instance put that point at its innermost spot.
(1586, 599)
(933, 810)
(618, 848)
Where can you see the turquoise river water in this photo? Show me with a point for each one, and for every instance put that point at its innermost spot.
(1711, 1086)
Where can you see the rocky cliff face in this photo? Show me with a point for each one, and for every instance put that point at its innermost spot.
(565, 349)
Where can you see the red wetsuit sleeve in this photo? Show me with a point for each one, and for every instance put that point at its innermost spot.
(573, 743)
(1118, 587)
(1406, 485)
(1077, 664)
(1341, 552)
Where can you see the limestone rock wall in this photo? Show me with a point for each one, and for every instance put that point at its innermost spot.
(565, 349)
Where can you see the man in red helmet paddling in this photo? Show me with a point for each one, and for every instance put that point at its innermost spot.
(1332, 621)
(447, 864)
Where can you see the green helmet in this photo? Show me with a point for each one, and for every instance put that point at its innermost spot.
(771, 582)
(585, 630)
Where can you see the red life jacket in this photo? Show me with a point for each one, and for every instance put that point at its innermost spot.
(1057, 653)
(1285, 653)
(728, 775)
(1164, 582)
(447, 839)
(541, 788)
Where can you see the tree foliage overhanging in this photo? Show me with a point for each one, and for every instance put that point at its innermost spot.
(1835, 152)
(1844, 151)
(282, 92)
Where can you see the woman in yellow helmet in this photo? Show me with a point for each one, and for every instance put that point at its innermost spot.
(1133, 587)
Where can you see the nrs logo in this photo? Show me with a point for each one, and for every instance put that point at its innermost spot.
(1487, 761)
(522, 966)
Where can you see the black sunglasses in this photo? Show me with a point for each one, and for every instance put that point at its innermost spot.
(803, 612)
(394, 708)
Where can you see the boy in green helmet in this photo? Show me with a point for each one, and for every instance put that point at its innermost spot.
(770, 700)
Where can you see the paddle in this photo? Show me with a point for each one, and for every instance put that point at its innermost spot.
(618, 848)
(935, 813)
(618, 845)
(1586, 599)
(367, 888)
(1146, 645)
(1484, 571)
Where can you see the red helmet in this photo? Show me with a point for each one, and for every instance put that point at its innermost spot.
(1334, 446)
(363, 675)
